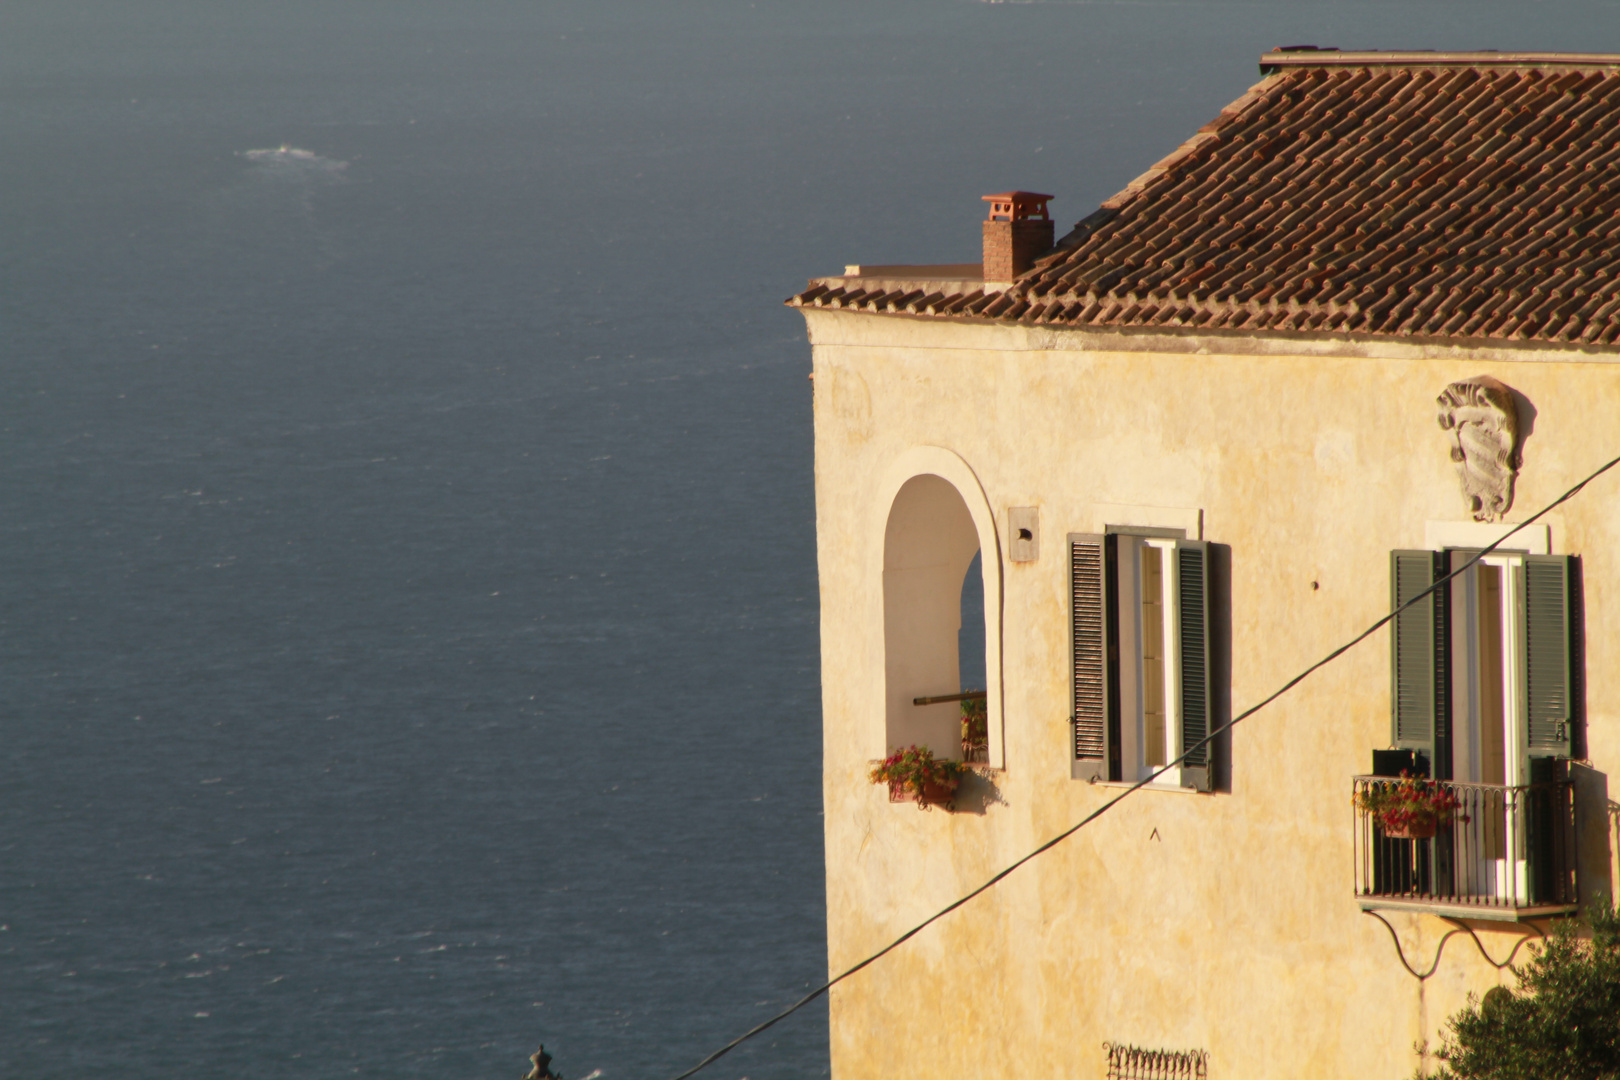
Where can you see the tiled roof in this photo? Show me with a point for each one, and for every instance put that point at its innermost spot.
(1413, 195)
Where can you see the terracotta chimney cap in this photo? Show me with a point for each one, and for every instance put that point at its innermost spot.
(1017, 205)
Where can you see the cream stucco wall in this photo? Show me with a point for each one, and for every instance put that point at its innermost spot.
(1222, 921)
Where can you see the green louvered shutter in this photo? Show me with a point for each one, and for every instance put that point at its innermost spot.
(1549, 690)
(1089, 659)
(1415, 645)
(1192, 628)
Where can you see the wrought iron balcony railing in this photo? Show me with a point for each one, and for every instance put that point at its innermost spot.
(1508, 853)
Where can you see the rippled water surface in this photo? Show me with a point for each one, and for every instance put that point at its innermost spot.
(408, 606)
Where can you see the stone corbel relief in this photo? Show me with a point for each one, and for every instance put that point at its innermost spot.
(1482, 421)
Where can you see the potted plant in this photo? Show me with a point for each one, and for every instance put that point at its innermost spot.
(1409, 808)
(916, 775)
(975, 731)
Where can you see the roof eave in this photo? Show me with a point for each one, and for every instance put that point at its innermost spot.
(1239, 342)
(1273, 62)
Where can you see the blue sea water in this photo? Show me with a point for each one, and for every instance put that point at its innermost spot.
(408, 601)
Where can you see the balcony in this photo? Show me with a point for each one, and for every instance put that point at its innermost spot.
(1509, 854)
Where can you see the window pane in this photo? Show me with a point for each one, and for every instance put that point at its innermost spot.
(1153, 705)
(1492, 765)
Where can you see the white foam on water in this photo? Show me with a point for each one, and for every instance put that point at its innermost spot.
(285, 155)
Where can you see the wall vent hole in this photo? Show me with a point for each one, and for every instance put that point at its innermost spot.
(1025, 534)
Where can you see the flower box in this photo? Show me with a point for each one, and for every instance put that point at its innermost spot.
(933, 794)
(1412, 830)
(916, 775)
(1409, 807)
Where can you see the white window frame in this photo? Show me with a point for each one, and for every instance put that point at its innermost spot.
(1508, 876)
(1466, 720)
(1132, 687)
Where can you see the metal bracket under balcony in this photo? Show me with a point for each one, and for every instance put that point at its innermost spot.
(1508, 854)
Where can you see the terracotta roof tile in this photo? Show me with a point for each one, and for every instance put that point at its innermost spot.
(1424, 195)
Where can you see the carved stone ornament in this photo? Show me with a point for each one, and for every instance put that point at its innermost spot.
(1483, 422)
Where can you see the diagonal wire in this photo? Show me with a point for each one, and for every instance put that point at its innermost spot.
(1111, 803)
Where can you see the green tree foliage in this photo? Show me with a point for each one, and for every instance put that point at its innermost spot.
(1561, 1023)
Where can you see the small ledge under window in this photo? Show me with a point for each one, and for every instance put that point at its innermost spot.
(1165, 786)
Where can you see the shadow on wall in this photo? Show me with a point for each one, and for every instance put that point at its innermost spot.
(977, 794)
(1220, 664)
(1612, 840)
(1597, 835)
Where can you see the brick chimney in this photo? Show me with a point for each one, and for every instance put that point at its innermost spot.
(1017, 232)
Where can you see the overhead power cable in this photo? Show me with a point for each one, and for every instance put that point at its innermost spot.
(1111, 803)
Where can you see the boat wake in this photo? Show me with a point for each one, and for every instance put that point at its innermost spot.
(285, 156)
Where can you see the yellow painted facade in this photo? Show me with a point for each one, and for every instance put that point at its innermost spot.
(1219, 921)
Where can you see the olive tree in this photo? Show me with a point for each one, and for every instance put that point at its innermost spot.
(1562, 1021)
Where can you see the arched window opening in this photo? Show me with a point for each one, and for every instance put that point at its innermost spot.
(932, 648)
